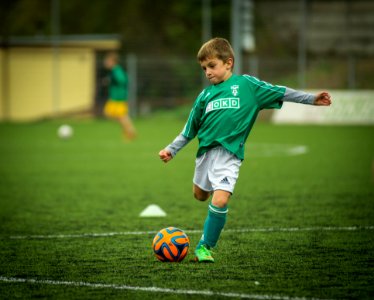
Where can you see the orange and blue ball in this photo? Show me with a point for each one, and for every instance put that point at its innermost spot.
(171, 245)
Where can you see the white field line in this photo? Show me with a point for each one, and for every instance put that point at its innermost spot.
(151, 289)
(239, 230)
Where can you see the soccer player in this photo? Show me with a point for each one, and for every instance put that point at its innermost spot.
(222, 118)
(116, 106)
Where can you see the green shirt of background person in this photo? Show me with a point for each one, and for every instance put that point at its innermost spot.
(118, 84)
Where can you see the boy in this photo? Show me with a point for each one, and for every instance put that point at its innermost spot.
(222, 117)
(116, 107)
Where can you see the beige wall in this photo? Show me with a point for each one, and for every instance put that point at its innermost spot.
(2, 104)
(42, 83)
(77, 74)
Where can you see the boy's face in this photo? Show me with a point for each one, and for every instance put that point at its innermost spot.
(109, 62)
(217, 70)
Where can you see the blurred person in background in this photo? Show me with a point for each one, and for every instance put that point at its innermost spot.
(116, 107)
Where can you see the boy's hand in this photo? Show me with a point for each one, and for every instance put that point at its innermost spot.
(165, 155)
(323, 99)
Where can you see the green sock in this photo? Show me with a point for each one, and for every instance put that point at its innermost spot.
(213, 225)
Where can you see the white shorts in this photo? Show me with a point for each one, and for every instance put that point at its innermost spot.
(217, 169)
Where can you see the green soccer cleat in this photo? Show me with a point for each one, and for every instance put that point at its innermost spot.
(203, 255)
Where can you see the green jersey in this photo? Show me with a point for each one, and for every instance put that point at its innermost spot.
(223, 114)
(118, 84)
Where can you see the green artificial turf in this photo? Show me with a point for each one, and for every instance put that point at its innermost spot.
(97, 183)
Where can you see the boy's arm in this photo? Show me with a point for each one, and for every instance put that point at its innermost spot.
(171, 150)
(188, 133)
(322, 98)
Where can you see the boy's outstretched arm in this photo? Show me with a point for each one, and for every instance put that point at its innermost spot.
(171, 150)
(321, 99)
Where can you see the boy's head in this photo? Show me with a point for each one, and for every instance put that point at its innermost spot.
(111, 59)
(216, 58)
(219, 48)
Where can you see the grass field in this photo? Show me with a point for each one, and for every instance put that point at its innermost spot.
(300, 224)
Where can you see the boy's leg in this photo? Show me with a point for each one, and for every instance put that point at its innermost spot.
(215, 170)
(200, 194)
(216, 219)
(128, 127)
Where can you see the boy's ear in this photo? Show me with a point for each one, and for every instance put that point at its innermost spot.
(230, 62)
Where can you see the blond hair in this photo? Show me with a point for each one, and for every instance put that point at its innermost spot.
(216, 48)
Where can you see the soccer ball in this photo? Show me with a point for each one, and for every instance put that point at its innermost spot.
(65, 131)
(171, 245)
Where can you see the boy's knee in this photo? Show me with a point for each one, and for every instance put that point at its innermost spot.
(221, 198)
(200, 194)
(221, 203)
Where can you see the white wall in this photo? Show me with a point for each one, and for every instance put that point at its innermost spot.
(348, 107)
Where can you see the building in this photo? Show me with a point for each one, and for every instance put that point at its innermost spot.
(44, 77)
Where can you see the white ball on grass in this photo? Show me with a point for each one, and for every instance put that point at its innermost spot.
(65, 131)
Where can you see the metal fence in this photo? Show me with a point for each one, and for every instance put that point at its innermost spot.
(164, 82)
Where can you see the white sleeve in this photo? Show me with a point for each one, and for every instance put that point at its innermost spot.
(298, 97)
(179, 142)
